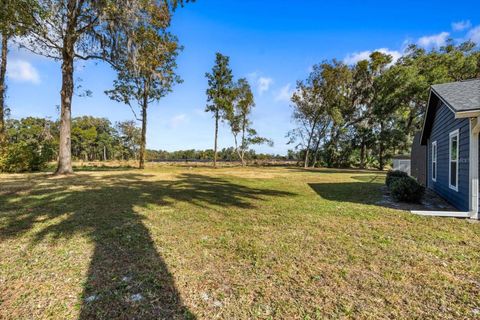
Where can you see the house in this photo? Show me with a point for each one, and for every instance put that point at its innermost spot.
(451, 136)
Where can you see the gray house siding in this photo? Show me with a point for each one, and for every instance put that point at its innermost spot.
(443, 124)
(419, 160)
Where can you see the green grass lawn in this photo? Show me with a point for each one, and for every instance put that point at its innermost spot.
(231, 243)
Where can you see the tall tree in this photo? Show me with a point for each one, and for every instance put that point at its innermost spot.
(85, 29)
(147, 73)
(220, 94)
(306, 113)
(16, 18)
(239, 120)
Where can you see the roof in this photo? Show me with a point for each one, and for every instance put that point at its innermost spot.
(460, 96)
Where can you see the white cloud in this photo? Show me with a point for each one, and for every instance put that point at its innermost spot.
(461, 25)
(365, 55)
(353, 58)
(285, 93)
(474, 35)
(178, 120)
(436, 40)
(264, 84)
(22, 71)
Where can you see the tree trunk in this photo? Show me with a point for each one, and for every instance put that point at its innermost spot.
(315, 155)
(381, 164)
(362, 154)
(143, 142)
(65, 144)
(310, 137)
(237, 149)
(68, 54)
(3, 72)
(104, 153)
(216, 138)
(321, 133)
(242, 157)
(307, 153)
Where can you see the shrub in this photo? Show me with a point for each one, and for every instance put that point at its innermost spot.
(393, 175)
(406, 189)
(25, 156)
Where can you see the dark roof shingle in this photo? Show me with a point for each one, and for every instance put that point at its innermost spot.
(461, 96)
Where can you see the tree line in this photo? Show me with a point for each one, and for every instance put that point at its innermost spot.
(362, 114)
(225, 154)
(34, 141)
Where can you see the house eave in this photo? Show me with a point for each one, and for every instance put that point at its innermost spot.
(467, 114)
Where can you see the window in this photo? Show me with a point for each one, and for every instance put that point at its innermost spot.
(434, 160)
(453, 160)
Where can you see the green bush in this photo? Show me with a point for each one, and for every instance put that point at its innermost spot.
(25, 156)
(406, 189)
(393, 175)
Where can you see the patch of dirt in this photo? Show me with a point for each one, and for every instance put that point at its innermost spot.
(430, 202)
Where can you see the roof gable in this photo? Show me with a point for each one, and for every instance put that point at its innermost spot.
(459, 97)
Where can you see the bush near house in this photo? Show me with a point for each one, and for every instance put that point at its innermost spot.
(393, 175)
(406, 189)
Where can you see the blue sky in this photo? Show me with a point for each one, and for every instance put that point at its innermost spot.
(272, 43)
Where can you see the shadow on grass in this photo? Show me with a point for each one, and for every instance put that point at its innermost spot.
(333, 170)
(370, 178)
(367, 191)
(102, 168)
(92, 168)
(127, 276)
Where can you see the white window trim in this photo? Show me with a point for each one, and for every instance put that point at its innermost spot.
(455, 133)
(434, 160)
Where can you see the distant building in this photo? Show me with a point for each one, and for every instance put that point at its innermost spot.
(401, 163)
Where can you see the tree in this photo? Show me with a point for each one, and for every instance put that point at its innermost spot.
(147, 74)
(129, 139)
(85, 29)
(239, 121)
(219, 94)
(307, 112)
(92, 138)
(311, 111)
(16, 18)
(31, 144)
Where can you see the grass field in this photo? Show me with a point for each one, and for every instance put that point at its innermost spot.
(231, 243)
